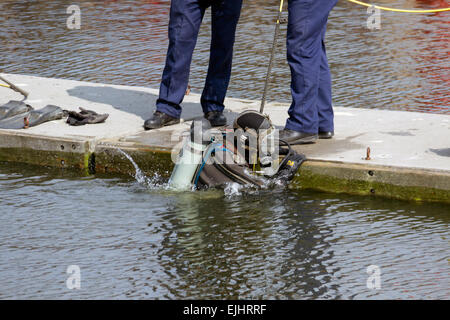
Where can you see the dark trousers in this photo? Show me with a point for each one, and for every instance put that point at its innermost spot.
(311, 110)
(185, 20)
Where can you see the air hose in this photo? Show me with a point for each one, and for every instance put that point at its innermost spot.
(277, 30)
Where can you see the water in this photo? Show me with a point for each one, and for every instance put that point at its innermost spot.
(154, 182)
(131, 241)
(404, 66)
(132, 238)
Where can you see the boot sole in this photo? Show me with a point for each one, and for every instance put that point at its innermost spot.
(164, 125)
(218, 124)
(305, 140)
(321, 136)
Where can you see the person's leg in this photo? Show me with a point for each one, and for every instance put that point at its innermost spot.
(225, 16)
(324, 102)
(307, 19)
(185, 20)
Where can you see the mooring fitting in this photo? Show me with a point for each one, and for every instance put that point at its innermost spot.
(26, 123)
(367, 154)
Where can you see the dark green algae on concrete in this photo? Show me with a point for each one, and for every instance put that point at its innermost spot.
(45, 151)
(91, 156)
(372, 180)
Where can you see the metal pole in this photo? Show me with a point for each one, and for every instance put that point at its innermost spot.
(13, 87)
(272, 54)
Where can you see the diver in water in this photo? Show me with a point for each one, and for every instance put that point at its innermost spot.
(185, 20)
(311, 112)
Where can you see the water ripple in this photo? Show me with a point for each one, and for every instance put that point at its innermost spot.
(404, 66)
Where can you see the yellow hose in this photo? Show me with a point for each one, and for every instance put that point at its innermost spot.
(281, 10)
(4, 85)
(399, 10)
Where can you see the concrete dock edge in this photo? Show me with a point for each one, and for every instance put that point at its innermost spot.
(46, 151)
(370, 180)
(410, 157)
(333, 177)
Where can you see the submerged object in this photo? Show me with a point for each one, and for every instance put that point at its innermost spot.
(218, 169)
(13, 108)
(85, 117)
(32, 118)
(222, 166)
(190, 156)
(249, 153)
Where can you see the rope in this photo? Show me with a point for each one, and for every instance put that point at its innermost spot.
(399, 10)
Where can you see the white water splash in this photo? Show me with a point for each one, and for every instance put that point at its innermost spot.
(233, 189)
(150, 183)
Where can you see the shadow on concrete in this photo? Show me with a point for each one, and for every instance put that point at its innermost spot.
(325, 147)
(140, 103)
(400, 133)
(445, 152)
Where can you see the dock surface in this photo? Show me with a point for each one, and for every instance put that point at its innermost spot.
(409, 151)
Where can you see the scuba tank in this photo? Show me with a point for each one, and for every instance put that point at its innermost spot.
(248, 153)
(190, 156)
(263, 154)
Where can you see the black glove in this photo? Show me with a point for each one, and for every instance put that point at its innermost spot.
(85, 117)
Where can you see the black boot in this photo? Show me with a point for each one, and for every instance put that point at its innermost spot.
(158, 120)
(216, 118)
(296, 137)
(326, 134)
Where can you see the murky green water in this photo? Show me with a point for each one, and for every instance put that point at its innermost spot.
(135, 241)
(403, 66)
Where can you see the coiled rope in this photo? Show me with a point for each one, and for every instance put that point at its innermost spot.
(399, 10)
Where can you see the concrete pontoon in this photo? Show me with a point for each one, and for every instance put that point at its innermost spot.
(409, 158)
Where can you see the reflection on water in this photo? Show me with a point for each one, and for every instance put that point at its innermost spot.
(404, 66)
(131, 242)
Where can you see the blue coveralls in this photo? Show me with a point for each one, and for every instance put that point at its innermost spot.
(185, 20)
(311, 110)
